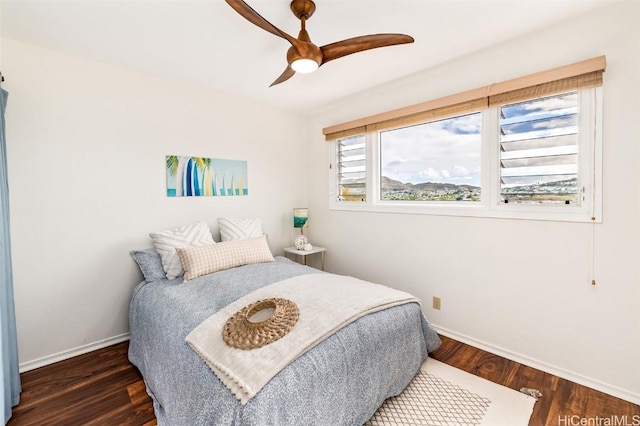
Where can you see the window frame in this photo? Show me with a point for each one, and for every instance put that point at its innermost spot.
(490, 204)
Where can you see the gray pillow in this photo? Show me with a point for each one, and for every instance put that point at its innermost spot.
(150, 264)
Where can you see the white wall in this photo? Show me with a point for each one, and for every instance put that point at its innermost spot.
(518, 288)
(86, 152)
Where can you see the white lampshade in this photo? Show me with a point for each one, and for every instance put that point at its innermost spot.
(304, 65)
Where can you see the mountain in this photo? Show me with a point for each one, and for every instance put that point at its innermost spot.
(389, 184)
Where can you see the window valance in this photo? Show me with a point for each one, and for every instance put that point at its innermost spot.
(580, 75)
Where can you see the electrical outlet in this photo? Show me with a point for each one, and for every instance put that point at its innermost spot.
(436, 302)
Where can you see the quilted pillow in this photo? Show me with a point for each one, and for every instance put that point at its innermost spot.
(166, 242)
(198, 261)
(238, 228)
(150, 264)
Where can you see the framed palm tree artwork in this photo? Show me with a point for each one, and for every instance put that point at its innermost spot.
(199, 176)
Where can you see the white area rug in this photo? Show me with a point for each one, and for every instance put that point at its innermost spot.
(446, 396)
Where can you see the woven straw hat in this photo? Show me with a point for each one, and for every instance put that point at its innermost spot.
(239, 332)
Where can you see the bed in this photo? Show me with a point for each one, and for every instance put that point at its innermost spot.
(341, 381)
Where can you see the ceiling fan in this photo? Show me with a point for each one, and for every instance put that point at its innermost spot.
(303, 56)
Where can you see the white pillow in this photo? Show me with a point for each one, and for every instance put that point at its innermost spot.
(165, 242)
(238, 228)
(198, 261)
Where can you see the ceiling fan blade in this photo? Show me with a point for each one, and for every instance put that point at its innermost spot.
(286, 75)
(359, 44)
(254, 17)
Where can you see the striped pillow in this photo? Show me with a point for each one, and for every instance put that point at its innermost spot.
(238, 228)
(198, 261)
(165, 242)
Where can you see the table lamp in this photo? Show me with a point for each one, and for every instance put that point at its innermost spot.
(300, 217)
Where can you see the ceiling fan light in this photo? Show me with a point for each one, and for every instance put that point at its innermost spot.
(304, 65)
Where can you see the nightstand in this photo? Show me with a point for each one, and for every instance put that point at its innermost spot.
(304, 253)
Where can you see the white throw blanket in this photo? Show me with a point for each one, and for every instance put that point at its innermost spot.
(326, 302)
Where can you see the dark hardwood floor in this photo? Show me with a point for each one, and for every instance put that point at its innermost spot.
(97, 388)
(103, 388)
(561, 399)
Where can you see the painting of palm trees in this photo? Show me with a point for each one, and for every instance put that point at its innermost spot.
(199, 176)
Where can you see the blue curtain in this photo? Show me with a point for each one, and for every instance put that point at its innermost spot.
(9, 373)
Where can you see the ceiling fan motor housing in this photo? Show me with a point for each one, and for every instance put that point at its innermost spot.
(312, 53)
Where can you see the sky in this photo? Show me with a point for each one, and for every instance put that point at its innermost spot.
(441, 151)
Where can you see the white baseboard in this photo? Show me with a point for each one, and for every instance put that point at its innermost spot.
(547, 368)
(61, 356)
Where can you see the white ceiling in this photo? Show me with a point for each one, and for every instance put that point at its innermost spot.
(206, 42)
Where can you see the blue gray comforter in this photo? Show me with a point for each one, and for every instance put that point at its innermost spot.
(342, 381)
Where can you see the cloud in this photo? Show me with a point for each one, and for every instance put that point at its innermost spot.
(466, 124)
(430, 174)
(460, 171)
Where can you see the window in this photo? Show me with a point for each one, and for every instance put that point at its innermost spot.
(435, 161)
(539, 150)
(530, 152)
(351, 169)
